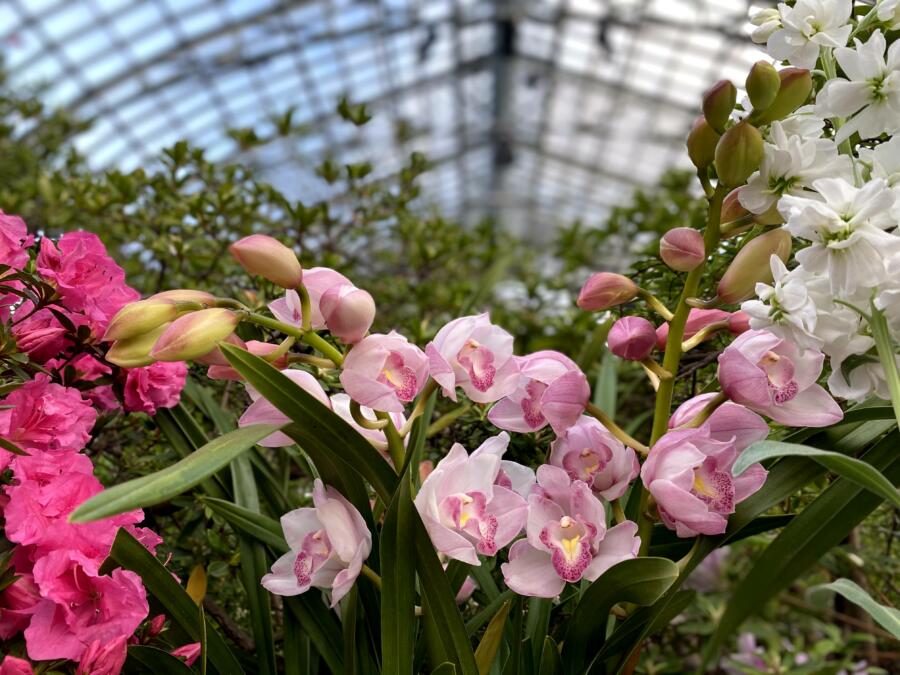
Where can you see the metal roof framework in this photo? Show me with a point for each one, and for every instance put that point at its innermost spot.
(537, 112)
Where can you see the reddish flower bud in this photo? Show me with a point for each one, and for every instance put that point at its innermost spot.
(632, 338)
(718, 102)
(224, 371)
(763, 84)
(682, 249)
(194, 334)
(796, 86)
(137, 318)
(262, 255)
(697, 320)
(135, 352)
(701, 143)
(738, 322)
(348, 312)
(603, 290)
(738, 154)
(751, 266)
(156, 624)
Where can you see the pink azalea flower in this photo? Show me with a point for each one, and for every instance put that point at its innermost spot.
(263, 412)
(777, 379)
(104, 658)
(47, 489)
(87, 279)
(589, 453)
(14, 241)
(384, 372)
(566, 538)
(47, 416)
(317, 281)
(329, 544)
(188, 653)
(688, 472)
(728, 422)
(155, 386)
(697, 320)
(41, 335)
(17, 602)
(551, 390)
(464, 506)
(472, 353)
(81, 606)
(15, 666)
(86, 367)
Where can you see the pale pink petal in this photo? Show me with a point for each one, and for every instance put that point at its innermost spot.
(620, 543)
(530, 572)
(812, 407)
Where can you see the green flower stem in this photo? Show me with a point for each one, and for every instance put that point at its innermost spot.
(883, 342)
(283, 349)
(618, 512)
(702, 334)
(371, 575)
(312, 339)
(305, 308)
(704, 414)
(672, 356)
(395, 442)
(317, 361)
(830, 69)
(654, 304)
(363, 421)
(615, 429)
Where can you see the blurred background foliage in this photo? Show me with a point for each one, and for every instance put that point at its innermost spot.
(169, 224)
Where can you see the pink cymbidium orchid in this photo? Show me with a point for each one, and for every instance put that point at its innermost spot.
(384, 372)
(567, 539)
(551, 390)
(688, 471)
(263, 412)
(588, 452)
(317, 282)
(329, 544)
(468, 503)
(472, 353)
(775, 378)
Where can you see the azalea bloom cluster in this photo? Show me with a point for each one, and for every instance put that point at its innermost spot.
(829, 176)
(57, 308)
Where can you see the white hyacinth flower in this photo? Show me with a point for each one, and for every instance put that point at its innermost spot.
(785, 307)
(789, 166)
(872, 92)
(807, 27)
(884, 162)
(846, 229)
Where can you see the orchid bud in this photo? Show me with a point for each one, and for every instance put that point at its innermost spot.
(701, 143)
(135, 352)
(603, 290)
(772, 216)
(262, 255)
(751, 266)
(185, 295)
(682, 249)
(194, 334)
(796, 85)
(718, 102)
(733, 211)
(738, 322)
(738, 154)
(632, 338)
(222, 370)
(762, 84)
(348, 312)
(140, 317)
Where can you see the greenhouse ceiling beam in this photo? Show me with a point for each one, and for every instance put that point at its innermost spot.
(505, 33)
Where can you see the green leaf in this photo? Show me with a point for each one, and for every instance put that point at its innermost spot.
(173, 480)
(537, 624)
(398, 589)
(128, 553)
(667, 544)
(490, 641)
(640, 581)
(322, 627)
(484, 615)
(9, 446)
(254, 564)
(606, 386)
(551, 663)
(260, 527)
(316, 426)
(861, 473)
(821, 526)
(444, 669)
(884, 343)
(143, 660)
(887, 617)
(296, 647)
(439, 602)
(186, 436)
